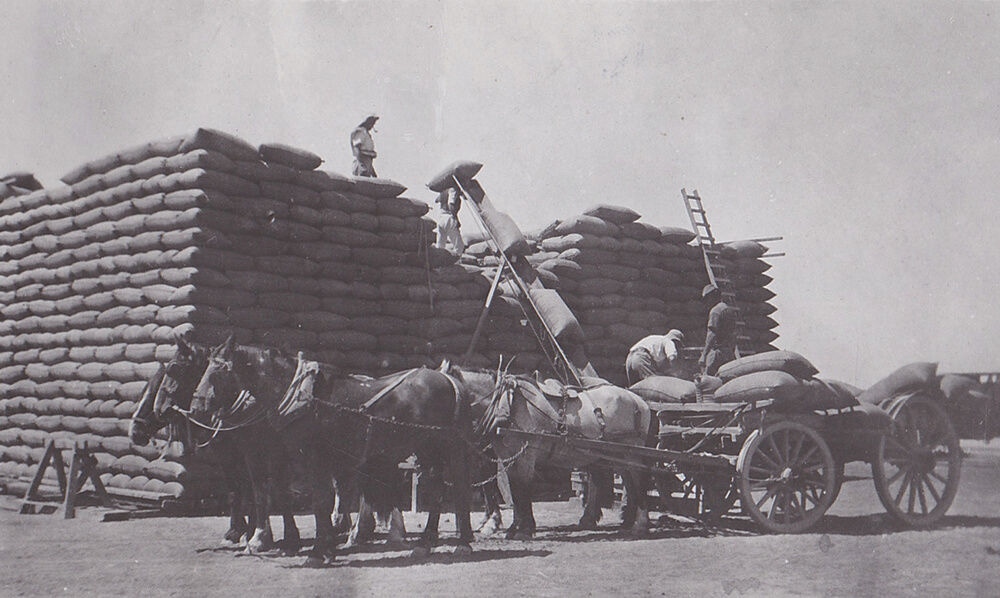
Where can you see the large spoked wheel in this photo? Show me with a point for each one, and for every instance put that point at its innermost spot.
(917, 468)
(787, 477)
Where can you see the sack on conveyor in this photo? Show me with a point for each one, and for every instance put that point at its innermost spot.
(666, 389)
(556, 315)
(785, 361)
(909, 377)
(780, 386)
(506, 232)
(463, 170)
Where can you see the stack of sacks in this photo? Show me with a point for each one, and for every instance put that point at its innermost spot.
(205, 235)
(626, 279)
(784, 376)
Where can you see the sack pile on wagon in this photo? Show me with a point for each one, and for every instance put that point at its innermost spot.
(204, 235)
(625, 279)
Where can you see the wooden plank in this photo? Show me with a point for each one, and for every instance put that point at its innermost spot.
(635, 454)
(707, 407)
(76, 478)
(733, 432)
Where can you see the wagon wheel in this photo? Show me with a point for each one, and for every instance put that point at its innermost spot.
(917, 468)
(787, 477)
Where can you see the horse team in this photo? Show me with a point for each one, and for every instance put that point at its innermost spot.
(272, 418)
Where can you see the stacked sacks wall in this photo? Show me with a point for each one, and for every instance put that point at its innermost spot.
(625, 279)
(197, 235)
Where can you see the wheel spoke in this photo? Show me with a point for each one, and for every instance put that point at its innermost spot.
(793, 457)
(813, 468)
(899, 473)
(774, 503)
(938, 477)
(810, 452)
(777, 452)
(919, 481)
(902, 490)
(767, 495)
(786, 446)
(911, 495)
(932, 489)
(769, 461)
(795, 505)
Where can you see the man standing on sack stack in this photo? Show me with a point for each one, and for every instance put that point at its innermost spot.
(720, 334)
(363, 147)
(654, 355)
(449, 231)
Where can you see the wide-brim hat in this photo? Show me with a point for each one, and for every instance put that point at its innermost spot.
(676, 335)
(371, 118)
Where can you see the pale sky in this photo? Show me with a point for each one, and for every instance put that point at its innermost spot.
(867, 134)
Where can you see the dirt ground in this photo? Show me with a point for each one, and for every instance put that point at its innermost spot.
(855, 551)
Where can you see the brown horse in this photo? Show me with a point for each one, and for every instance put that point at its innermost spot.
(167, 400)
(354, 431)
(603, 412)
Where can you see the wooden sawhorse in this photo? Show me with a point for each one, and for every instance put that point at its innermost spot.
(82, 466)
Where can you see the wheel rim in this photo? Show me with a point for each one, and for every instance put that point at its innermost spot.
(787, 477)
(917, 468)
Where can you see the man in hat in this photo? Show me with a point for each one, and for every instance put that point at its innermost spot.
(449, 230)
(655, 355)
(363, 147)
(720, 336)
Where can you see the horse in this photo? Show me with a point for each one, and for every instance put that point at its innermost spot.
(354, 430)
(602, 412)
(166, 400)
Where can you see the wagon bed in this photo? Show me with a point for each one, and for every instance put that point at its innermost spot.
(785, 466)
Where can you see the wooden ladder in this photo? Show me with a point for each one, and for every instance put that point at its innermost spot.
(82, 467)
(718, 274)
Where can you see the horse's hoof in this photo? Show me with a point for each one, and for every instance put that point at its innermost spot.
(233, 536)
(258, 546)
(421, 552)
(587, 524)
(463, 550)
(523, 536)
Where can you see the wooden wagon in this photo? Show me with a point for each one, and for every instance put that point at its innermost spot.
(784, 466)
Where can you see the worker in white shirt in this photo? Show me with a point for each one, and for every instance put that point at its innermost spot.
(655, 355)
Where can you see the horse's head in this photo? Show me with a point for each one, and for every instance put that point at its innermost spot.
(233, 369)
(181, 376)
(219, 384)
(145, 421)
(476, 385)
